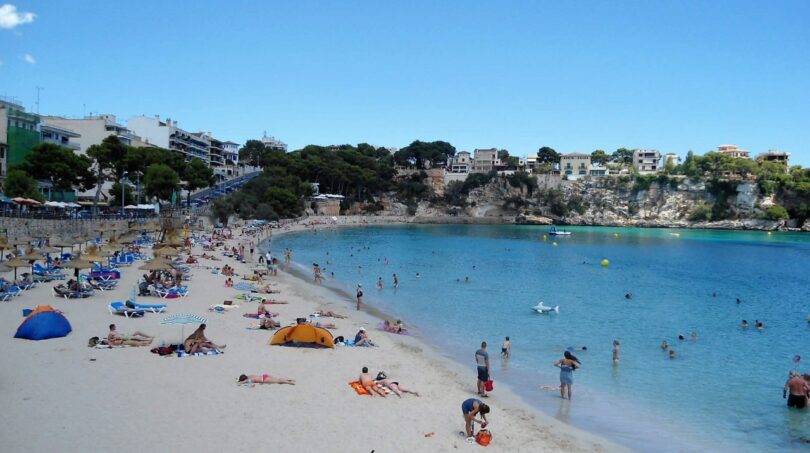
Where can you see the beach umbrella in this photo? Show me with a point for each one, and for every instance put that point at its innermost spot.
(49, 249)
(165, 251)
(182, 319)
(16, 263)
(5, 268)
(156, 264)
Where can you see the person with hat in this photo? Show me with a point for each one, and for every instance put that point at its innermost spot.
(361, 339)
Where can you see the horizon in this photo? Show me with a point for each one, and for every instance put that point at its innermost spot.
(517, 76)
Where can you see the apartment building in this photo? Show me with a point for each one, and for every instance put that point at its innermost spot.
(646, 161)
(485, 160)
(91, 130)
(168, 134)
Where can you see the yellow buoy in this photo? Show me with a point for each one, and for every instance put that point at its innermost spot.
(615, 235)
(545, 238)
(554, 243)
(770, 233)
(605, 263)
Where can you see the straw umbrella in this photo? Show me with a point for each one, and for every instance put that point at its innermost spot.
(157, 264)
(81, 262)
(166, 251)
(17, 262)
(5, 268)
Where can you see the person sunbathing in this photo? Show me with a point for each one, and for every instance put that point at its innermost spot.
(267, 290)
(197, 342)
(329, 314)
(325, 325)
(254, 379)
(229, 282)
(394, 386)
(114, 338)
(191, 259)
(369, 384)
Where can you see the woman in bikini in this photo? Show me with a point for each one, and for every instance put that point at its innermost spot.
(253, 379)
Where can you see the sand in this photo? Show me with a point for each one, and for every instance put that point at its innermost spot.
(60, 395)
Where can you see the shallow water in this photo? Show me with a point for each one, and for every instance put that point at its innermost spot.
(722, 392)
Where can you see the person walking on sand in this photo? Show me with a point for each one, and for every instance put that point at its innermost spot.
(567, 365)
(359, 295)
(615, 352)
(470, 408)
(482, 361)
(506, 349)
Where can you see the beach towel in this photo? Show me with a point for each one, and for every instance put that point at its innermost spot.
(358, 387)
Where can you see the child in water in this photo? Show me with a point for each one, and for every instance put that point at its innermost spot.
(506, 349)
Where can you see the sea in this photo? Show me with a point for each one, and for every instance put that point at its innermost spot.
(463, 284)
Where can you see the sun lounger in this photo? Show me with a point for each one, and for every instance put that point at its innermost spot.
(154, 308)
(121, 309)
(12, 291)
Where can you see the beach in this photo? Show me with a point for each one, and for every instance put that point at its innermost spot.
(59, 394)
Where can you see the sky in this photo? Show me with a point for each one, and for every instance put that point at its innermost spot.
(518, 75)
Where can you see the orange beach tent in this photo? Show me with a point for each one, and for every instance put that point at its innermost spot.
(303, 335)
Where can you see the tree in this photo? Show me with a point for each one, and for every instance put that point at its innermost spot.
(503, 154)
(222, 210)
(284, 202)
(252, 153)
(110, 158)
(415, 154)
(198, 175)
(160, 181)
(776, 212)
(19, 184)
(600, 157)
(115, 192)
(547, 155)
(61, 166)
(623, 156)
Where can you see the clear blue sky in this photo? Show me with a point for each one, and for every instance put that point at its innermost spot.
(577, 76)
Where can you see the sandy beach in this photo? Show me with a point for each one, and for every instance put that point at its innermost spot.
(60, 395)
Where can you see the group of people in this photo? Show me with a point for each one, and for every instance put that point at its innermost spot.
(198, 342)
(227, 271)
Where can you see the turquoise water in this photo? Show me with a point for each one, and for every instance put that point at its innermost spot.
(723, 391)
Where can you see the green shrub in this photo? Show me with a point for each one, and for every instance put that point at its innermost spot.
(776, 212)
(701, 212)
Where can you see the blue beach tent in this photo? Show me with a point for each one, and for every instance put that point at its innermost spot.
(42, 323)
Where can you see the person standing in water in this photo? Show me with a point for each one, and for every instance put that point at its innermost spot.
(615, 352)
(506, 349)
(567, 365)
(379, 283)
(359, 295)
(798, 388)
(396, 281)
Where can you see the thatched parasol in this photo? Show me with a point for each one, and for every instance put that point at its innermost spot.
(157, 264)
(17, 262)
(166, 251)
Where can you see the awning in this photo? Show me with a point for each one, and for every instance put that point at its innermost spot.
(5, 199)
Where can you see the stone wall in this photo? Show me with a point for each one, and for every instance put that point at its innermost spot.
(14, 227)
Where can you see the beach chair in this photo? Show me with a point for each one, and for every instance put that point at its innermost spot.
(12, 291)
(59, 291)
(172, 293)
(154, 308)
(118, 308)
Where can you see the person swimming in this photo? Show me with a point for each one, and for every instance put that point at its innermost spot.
(664, 345)
(628, 296)
(681, 337)
(759, 325)
(671, 353)
(744, 324)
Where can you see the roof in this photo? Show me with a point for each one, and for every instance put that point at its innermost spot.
(575, 155)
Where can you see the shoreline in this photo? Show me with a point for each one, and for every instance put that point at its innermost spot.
(189, 403)
(443, 360)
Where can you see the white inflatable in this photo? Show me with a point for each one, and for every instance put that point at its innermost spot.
(543, 309)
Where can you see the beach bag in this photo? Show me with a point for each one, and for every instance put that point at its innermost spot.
(93, 342)
(489, 385)
(484, 437)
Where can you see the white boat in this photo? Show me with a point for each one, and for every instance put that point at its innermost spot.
(543, 309)
(554, 232)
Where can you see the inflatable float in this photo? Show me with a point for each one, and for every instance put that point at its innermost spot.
(543, 309)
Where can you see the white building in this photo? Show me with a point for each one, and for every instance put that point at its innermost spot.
(646, 161)
(779, 157)
(57, 135)
(91, 130)
(671, 159)
(167, 134)
(460, 163)
(575, 165)
(271, 142)
(230, 151)
(733, 151)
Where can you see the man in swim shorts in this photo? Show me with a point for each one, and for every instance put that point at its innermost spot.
(482, 360)
(470, 408)
(369, 384)
(798, 388)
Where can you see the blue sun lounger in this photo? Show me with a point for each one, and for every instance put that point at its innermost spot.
(121, 309)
